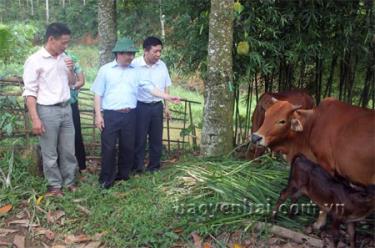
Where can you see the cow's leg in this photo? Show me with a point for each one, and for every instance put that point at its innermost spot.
(335, 232)
(351, 232)
(283, 197)
(294, 197)
(321, 221)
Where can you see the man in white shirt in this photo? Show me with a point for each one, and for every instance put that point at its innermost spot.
(150, 108)
(116, 87)
(47, 76)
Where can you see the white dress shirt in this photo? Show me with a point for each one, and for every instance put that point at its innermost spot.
(46, 78)
(157, 74)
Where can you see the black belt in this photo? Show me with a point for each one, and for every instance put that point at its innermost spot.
(124, 110)
(150, 103)
(60, 104)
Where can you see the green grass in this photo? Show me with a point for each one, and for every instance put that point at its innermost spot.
(207, 196)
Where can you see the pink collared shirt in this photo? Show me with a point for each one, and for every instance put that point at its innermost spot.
(46, 78)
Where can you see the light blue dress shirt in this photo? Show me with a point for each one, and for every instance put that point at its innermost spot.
(157, 74)
(118, 86)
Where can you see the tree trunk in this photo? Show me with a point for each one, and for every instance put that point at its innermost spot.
(32, 7)
(369, 84)
(289, 70)
(217, 131)
(106, 29)
(47, 12)
(342, 76)
(280, 74)
(369, 79)
(301, 79)
(162, 20)
(329, 86)
(318, 78)
(353, 66)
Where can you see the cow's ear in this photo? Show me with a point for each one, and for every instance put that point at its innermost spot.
(296, 125)
(299, 118)
(268, 101)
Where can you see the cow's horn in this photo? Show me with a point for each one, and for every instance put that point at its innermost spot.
(295, 107)
(273, 100)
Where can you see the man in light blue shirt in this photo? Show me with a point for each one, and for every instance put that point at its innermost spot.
(116, 87)
(150, 108)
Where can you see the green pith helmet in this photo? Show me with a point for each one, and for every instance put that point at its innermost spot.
(125, 45)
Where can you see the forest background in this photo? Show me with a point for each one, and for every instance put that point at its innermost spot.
(325, 47)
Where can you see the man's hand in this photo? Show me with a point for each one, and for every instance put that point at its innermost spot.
(174, 99)
(167, 113)
(99, 121)
(38, 127)
(69, 63)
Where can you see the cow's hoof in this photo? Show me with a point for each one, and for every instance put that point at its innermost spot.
(317, 226)
(308, 229)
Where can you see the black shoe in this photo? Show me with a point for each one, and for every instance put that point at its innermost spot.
(106, 185)
(118, 178)
(139, 171)
(153, 169)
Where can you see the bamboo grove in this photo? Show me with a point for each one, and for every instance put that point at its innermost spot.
(325, 47)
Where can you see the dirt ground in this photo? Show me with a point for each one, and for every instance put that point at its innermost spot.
(16, 232)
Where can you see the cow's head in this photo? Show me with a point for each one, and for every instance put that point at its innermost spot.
(279, 121)
(257, 118)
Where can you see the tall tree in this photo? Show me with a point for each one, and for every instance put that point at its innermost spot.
(107, 29)
(217, 131)
(47, 12)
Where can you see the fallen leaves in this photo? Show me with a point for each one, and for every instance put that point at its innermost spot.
(4, 243)
(46, 232)
(23, 223)
(19, 241)
(39, 200)
(207, 245)
(95, 244)
(197, 240)
(178, 230)
(237, 245)
(15, 235)
(83, 209)
(7, 231)
(5, 209)
(54, 216)
(70, 239)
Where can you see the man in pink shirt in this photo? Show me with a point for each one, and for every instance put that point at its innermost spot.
(47, 76)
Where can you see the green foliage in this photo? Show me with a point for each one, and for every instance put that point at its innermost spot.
(6, 169)
(5, 41)
(82, 19)
(8, 121)
(88, 57)
(17, 42)
(298, 32)
(188, 33)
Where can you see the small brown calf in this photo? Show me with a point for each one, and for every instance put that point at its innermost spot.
(334, 196)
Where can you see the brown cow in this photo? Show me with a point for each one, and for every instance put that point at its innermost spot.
(338, 136)
(343, 203)
(296, 97)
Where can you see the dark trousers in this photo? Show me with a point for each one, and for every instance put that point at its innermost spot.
(79, 146)
(149, 122)
(118, 127)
